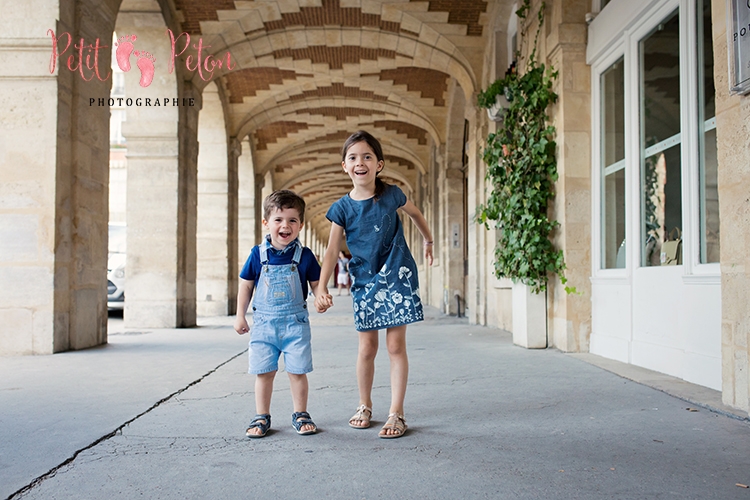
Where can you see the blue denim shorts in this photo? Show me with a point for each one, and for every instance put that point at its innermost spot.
(273, 335)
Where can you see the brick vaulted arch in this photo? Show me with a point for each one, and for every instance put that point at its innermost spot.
(305, 74)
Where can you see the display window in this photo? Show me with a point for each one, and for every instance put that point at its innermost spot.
(655, 159)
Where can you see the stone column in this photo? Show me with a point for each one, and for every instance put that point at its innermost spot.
(29, 182)
(187, 213)
(451, 203)
(258, 201)
(246, 218)
(570, 314)
(213, 233)
(54, 170)
(480, 253)
(266, 188)
(263, 188)
(452, 244)
(732, 132)
(162, 184)
(233, 202)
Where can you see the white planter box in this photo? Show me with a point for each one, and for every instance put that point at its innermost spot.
(529, 317)
(497, 111)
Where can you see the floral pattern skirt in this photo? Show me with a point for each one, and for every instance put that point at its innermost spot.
(390, 298)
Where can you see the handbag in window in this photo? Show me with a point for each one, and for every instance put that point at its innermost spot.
(671, 250)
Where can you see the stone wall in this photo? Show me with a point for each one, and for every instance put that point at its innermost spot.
(569, 315)
(732, 132)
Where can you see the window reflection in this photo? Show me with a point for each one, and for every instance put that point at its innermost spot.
(661, 175)
(613, 161)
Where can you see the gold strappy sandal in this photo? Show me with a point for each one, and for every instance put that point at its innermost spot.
(364, 414)
(396, 422)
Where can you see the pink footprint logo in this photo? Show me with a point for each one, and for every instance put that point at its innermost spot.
(146, 65)
(124, 46)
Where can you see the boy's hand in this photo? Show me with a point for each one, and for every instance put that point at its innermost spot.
(323, 300)
(241, 326)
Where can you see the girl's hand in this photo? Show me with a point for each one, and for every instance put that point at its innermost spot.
(323, 300)
(428, 251)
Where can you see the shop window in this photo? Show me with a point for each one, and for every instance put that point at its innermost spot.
(655, 137)
(661, 169)
(612, 83)
(708, 168)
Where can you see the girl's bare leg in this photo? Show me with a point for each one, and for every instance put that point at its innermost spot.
(368, 349)
(396, 343)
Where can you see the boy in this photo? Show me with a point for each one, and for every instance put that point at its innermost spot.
(278, 271)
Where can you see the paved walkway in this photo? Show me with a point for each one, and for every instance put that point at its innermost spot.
(161, 414)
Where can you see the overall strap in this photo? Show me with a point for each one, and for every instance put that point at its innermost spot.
(297, 253)
(264, 252)
(266, 245)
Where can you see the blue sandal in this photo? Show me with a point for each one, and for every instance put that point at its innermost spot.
(262, 422)
(300, 418)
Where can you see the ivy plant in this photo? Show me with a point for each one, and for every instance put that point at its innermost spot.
(522, 170)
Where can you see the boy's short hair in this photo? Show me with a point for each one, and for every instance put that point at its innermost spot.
(281, 199)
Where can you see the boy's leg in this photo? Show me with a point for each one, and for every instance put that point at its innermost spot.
(396, 342)
(263, 393)
(299, 387)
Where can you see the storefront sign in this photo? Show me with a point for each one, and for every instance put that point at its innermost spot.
(738, 34)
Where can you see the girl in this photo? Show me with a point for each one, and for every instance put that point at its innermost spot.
(384, 275)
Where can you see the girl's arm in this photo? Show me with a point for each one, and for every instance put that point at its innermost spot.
(244, 295)
(323, 300)
(416, 215)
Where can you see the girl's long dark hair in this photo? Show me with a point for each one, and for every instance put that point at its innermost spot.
(359, 136)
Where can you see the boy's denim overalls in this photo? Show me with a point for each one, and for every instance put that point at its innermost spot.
(280, 318)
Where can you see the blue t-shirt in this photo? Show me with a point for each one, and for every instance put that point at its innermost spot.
(308, 269)
(373, 231)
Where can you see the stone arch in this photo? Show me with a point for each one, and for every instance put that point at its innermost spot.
(313, 113)
(286, 140)
(413, 40)
(323, 175)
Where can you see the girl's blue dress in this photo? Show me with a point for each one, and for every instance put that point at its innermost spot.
(385, 288)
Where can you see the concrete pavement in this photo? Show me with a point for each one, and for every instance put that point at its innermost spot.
(162, 413)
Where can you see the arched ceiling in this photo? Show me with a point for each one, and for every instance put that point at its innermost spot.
(310, 72)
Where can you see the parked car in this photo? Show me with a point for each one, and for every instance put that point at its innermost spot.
(116, 266)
